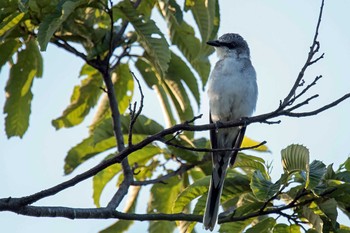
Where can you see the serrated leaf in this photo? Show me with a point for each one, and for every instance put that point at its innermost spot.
(18, 90)
(53, 21)
(161, 200)
(284, 228)
(317, 171)
(183, 36)
(10, 21)
(101, 179)
(295, 158)
(264, 226)
(262, 187)
(314, 219)
(207, 17)
(7, 49)
(150, 37)
(83, 99)
(123, 225)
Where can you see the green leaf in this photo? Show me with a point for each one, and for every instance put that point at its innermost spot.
(317, 171)
(18, 90)
(207, 17)
(246, 203)
(10, 21)
(329, 208)
(295, 158)
(150, 37)
(7, 49)
(53, 21)
(262, 187)
(83, 99)
(123, 225)
(251, 162)
(124, 91)
(179, 71)
(101, 179)
(284, 228)
(314, 219)
(142, 126)
(161, 200)
(193, 191)
(152, 81)
(235, 227)
(84, 151)
(123, 86)
(264, 226)
(183, 36)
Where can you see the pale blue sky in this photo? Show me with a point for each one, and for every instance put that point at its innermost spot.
(279, 34)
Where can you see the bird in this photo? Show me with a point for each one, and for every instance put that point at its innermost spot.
(232, 93)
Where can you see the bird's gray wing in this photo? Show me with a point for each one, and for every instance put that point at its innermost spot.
(237, 144)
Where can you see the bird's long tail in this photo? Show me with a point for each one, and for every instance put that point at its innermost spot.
(215, 189)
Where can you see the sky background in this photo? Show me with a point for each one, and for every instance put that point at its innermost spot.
(279, 34)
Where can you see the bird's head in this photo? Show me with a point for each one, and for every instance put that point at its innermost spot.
(230, 44)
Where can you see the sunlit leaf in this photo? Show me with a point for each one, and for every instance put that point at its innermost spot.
(161, 200)
(142, 126)
(83, 99)
(284, 228)
(264, 226)
(248, 142)
(124, 89)
(18, 89)
(84, 151)
(10, 21)
(236, 227)
(193, 191)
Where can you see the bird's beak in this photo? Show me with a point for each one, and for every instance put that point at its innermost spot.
(214, 43)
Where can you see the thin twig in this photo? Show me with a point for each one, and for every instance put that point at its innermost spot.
(313, 50)
(167, 142)
(133, 114)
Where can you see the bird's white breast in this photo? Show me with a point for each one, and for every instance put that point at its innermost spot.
(232, 89)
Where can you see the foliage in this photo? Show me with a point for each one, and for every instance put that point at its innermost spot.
(118, 38)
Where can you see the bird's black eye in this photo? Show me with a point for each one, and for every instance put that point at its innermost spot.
(229, 45)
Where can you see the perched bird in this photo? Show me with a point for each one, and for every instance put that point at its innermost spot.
(232, 92)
